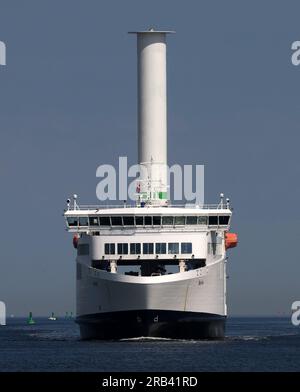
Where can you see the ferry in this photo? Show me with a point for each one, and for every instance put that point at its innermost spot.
(151, 268)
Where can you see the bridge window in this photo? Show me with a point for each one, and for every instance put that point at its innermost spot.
(135, 249)
(83, 249)
(191, 220)
(123, 249)
(139, 221)
(202, 220)
(72, 221)
(147, 248)
(156, 220)
(186, 247)
(148, 220)
(116, 221)
(160, 248)
(173, 248)
(93, 221)
(213, 220)
(109, 249)
(128, 220)
(179, 220)
(167, 220)
(83, 221)
(104, 221)
(223, 220)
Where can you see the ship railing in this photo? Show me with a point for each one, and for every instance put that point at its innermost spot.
(114, 206)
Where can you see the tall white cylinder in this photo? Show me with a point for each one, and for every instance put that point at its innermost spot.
(152, 97)
(152, 112)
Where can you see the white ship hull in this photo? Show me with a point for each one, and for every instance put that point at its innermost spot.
(188, 305)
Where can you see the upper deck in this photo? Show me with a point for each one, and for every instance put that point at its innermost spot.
(83, 218)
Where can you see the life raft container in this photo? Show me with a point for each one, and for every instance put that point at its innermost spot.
(231, 240)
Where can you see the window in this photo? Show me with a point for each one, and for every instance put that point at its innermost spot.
(128, 220)
(109, 249)
(167, 220)
(191, 220)
(179, 220)
(135, 249)
(83, 221)
(186, 247)
(139, 221)
(104, 221)
(93, 221)
(213, 220)
(156, 220)
(72, 221)
(161, 248)
(148, 248)
(83, 249)
(202, 220)
(223, 220)
(123, 249)
(173, 248)
(116, 221)
(148, 220)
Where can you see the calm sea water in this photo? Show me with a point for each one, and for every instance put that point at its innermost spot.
(252, 344)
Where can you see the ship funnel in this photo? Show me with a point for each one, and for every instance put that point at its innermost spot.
(152, 116)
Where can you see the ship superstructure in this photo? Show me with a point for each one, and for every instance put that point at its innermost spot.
(151, 268)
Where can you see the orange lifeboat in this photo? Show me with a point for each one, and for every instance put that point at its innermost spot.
(75, 241)
(231, 240)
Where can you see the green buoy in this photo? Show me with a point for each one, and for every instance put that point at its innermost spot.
(30, 319)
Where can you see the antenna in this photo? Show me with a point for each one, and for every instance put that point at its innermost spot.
(228, 203)
(75, 197)
(221, 200)
(68, 203)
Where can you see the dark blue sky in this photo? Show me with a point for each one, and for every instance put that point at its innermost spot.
(68, 104)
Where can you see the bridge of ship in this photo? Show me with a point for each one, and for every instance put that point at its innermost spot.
(94, 218)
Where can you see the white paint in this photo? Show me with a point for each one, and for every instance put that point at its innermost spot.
(198, 239)
(102, 210)
(180, 291)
